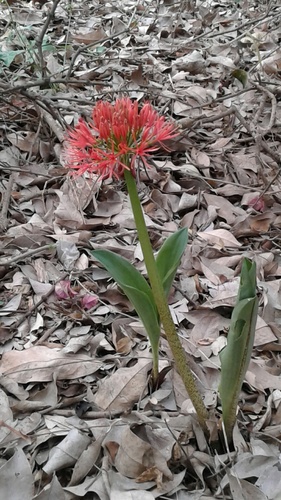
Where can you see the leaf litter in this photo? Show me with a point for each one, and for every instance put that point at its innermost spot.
(78, 417)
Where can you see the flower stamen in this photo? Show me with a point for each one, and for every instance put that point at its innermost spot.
(116, 136)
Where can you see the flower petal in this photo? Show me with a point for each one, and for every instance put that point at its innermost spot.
(117, 135)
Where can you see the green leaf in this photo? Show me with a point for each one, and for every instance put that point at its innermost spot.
(8, 57)
(247, 286)
(241, 75)
(100, 49)
(137, 290)
(169, 257)
(235, 357)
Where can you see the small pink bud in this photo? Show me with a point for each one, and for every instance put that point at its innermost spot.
(63, 290)
(88, 301)
(257, 203)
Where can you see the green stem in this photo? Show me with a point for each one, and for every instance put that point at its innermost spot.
(155, 369)
(162, 305)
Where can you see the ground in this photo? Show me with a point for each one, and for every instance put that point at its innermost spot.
(78, 416)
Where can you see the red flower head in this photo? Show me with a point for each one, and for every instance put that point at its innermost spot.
(117, 134)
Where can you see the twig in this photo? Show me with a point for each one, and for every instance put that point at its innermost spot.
(39, 40)
(55, 410)
(260, 110)
(275, 156)
(6, 196)
(26, 255)
(251, 23)
(47, 333)
(82, 49)
(262, 144)
(44, 105)
(41, 301)
(42, 82)
(53, 124)
(32, 196)
(188, 122)
(13, 168)
(272, 97)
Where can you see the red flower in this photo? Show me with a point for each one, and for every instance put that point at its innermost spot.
(117, 134)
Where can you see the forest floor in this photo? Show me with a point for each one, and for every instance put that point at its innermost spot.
(78, 418)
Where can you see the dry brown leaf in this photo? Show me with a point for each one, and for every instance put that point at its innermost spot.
(122, 390)
(39, 363)
(260, 379)
(220, 238)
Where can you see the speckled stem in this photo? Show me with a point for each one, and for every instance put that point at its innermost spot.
(162, 305)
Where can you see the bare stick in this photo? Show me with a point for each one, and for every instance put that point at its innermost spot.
(11, 89)
(40, 38)
(83, 49)
(53, 124)
(25, 255)
(275, 156)
(272, 97)
(35, 307)
(5, 203)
